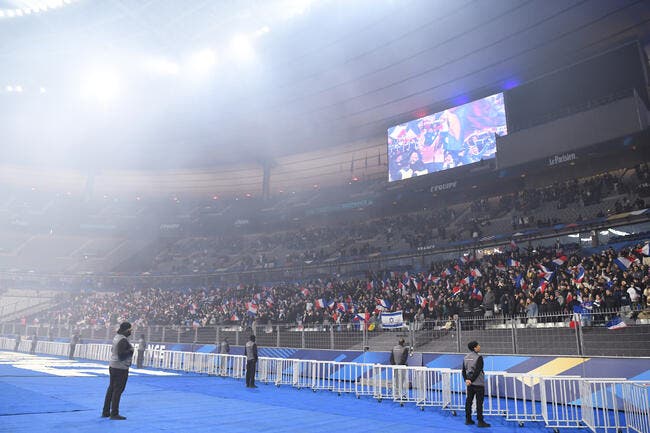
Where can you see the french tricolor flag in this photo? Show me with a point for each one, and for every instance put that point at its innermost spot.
(560, 260)
(513, 263)
(363, 317)
(422, 302)
(476, 273)
(624, 262)
(501, 267)
(645, 250)
(580, 275)
(477, 294)
(463, 260)
(446, 272)
(320, 303)
(456, 291)
(331, 304)
(234, 318)
(251, 308)
(342, 307)
(542, 286)
(468, 280)
(546, 275)
(370, 285)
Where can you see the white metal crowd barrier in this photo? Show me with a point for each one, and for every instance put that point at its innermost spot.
(602, 405)
(560, 396)
(432, 386)
(636, 399)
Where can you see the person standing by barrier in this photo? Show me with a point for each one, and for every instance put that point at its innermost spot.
(224, 350)
(251, 361)
(121, 357)
(16, 342)
(74, 340)
(32, 349)
(399, 356)
(142, 346)
(475, 381)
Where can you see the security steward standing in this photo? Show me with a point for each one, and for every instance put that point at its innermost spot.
(475, 381)
(399, 356)
(251, 362)
(121, 357)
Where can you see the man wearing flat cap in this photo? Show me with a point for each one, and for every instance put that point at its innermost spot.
(121, 357)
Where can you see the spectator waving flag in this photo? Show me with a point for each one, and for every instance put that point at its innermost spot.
(463, 260)
(421, 301)
(645, 250)
(468, 280)
(320, 303)
(476, 273)
(363, 317)
(392, 320)
(513, 263)
(580, 275)
(384, 303)
(513, 245)
(616, 323)
(446, 272)
(520, 282)
(477, 294)
(456, 291)
(331, 304)
(342, 307)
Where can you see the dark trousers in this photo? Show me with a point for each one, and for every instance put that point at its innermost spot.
(72, 348)
(251, 366)
(479, 392)
(114, 392)
(140, 358)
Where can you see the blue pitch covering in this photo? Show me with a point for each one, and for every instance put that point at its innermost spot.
(43, 402)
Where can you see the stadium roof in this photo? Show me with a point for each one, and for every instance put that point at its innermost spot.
(170, 84)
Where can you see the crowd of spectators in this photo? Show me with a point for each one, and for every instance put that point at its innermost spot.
(520, 282)
(314, 241)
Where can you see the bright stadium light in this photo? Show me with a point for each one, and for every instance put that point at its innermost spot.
(100, 83)
(202, 61)
(241, 48)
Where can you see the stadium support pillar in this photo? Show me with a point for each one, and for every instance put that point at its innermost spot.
(266, 180)
(331, 337)
(513, 329)
(458, 331)
(277, 343)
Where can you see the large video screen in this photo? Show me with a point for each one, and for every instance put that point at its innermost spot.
(457, 136)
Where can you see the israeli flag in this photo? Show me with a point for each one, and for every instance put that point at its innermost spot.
(392, 320)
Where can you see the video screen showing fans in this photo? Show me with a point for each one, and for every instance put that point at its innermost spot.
(457, 136)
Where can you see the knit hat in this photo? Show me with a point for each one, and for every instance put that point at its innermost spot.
(472, 345)
(124, 326)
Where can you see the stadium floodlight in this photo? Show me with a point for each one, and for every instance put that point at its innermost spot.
(43, 90)
(9, 88)
(202, 61)
(241, 48)
(101, 83)
(18, 88)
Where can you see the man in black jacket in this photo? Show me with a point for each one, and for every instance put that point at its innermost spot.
(475, 381)
(250, 350)
(121, 357)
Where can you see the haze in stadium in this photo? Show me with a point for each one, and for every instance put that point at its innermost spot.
(275, 215)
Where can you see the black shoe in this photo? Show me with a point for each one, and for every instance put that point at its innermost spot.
(469, 422)
(118, 417)
(105, 415)
(483, 424)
